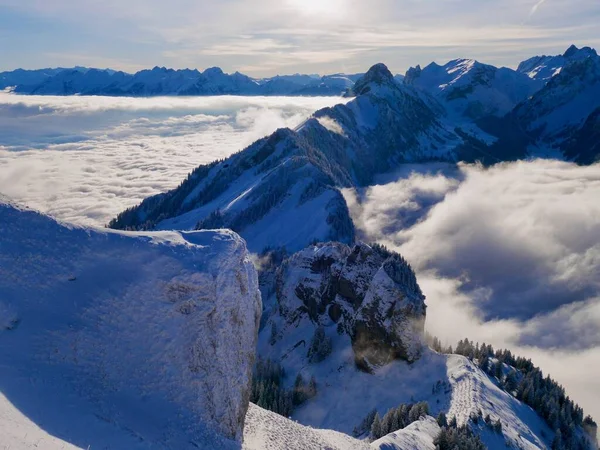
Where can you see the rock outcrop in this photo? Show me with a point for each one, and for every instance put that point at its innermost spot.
(164, 323)
(371, 295)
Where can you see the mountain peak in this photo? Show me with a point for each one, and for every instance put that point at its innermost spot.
(378, 75)
(213, 71)
(573, 50)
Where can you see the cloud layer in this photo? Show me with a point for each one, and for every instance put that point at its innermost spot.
(509, 255)
(84, 159)
(264, 37)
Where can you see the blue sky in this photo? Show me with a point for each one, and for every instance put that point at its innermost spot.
(265, 37)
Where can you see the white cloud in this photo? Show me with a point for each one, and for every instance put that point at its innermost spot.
(509, 255)
(536, 7)
(84, 159)
(267, 36)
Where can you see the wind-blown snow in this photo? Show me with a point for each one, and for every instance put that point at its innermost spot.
(123, 340)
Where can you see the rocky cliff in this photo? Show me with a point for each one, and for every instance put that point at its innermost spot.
(365, 293)
(160, 325)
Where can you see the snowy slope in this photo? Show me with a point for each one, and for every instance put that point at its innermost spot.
(266, 430)
(545, 67)
(418, 435)
(472, 89)
(123, 340)
(473, 390)
(329, 287)
(346, 396)
(560, 117)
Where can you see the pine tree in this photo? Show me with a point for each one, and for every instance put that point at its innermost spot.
(442, 421)
(320, 346)
(386, 422)
(273, 337)
(312, 387)
(299, 393)
(365, 425)
(414, 414)
(510, 383)
(376, 427)
(557, 441)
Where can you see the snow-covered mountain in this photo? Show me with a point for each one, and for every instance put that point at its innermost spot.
(163, 81)
(545, 67)
(472, 89)
(29, 78)
(559, 120)
(283, 190)
(123, 340)
(307, 85)
(345, 326)
(146, 340)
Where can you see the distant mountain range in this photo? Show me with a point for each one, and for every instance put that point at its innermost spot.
(163, 81)
(463, 111)
(449, 81)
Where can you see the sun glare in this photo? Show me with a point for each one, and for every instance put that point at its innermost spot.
(319, 8)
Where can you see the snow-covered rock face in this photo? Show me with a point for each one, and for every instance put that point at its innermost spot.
(562, 117)
(378, 75)
(154, 332)
(473, 89)
(545, 67)
(371, 295)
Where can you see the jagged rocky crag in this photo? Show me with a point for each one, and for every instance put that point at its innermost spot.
(152, 335)
(365, 293)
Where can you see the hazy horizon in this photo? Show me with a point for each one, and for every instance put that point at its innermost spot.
(263, 37)
(233, 69)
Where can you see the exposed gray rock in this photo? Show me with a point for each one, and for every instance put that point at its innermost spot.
(371, 294)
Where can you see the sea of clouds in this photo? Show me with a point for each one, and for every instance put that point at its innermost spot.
(507, 255)
(84, 159)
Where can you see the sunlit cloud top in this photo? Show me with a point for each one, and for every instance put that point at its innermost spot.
(266, 37)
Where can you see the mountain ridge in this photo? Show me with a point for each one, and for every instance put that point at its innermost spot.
(213, 81)
(167, 81)
(285, 176)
